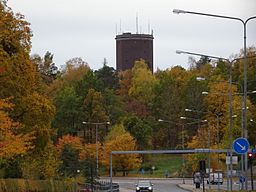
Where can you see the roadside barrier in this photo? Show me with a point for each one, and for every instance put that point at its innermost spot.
(101, 186)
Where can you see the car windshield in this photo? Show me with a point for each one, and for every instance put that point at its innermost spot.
(144, 184)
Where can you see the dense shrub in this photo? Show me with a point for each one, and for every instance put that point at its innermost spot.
(22, 185)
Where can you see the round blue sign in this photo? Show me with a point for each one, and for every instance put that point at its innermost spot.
(242, 179)
(241, 145)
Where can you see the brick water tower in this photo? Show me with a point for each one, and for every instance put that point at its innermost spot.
(132, 47)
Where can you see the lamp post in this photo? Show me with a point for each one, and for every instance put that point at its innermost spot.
(217, 115)
(96, 140)
(183, 141)
(244, 22)
(209, 141)
(182, 129)
(251, 120)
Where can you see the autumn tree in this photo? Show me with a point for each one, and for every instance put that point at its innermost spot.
(21, 81)
(69, 148)
(46, 67)
(120, 140)
(217, 103)
(130, 105)
(78, 74)
(143, 82)
(136, 89)
(169, 105)
(42, 166)
(169, 100)
(68, 92)
(217, 112)
(125, 81)
(12, 142)
(19, 78)
(73, 141)
(76, 155)
(94, 107)
(238, 71)
(88, 161)
(74, 69)
(95, 111)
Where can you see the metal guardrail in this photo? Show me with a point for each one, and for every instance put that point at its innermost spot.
(101, 186)
(181, 151)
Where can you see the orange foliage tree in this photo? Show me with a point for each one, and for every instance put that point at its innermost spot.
(74, 142)
(11, 141)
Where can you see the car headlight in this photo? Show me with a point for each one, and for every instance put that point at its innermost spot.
(150, 188)
(137, 188)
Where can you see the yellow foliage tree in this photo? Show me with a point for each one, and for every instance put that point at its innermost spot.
(44, 165)
(125, 82)
(143, 82)
(120, 140)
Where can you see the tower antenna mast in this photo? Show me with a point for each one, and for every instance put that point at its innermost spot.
(137, 23)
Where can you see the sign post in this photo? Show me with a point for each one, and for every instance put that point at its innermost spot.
(241, 146)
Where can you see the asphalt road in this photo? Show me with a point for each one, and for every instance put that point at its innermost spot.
(160, 185)
(167, 185)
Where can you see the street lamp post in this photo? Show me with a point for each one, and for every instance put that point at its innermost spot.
(230, 101)
(230, 127)
(96, 140)
(209, 141)
(183, 140)
(244, 22)
(217, 115)
(251, 120)
(182, 132)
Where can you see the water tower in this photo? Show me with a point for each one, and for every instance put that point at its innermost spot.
(132, 47)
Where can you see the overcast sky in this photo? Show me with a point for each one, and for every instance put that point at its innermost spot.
(87, 28)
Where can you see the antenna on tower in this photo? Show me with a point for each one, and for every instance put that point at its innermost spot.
(120, 29)
(137, 23)
(148, 27)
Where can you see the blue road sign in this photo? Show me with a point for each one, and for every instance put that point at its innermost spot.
(241, 145)
(242, 179)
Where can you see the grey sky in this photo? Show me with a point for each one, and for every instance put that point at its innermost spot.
(87, 28)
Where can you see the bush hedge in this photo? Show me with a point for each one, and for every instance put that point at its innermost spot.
(23, 185)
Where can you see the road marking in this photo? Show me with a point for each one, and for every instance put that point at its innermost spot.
(242, 147)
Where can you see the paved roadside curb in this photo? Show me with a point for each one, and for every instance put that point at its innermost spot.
(188, 187)
(125, 190)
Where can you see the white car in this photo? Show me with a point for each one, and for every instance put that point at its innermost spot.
(215, 178)
(144, 186)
